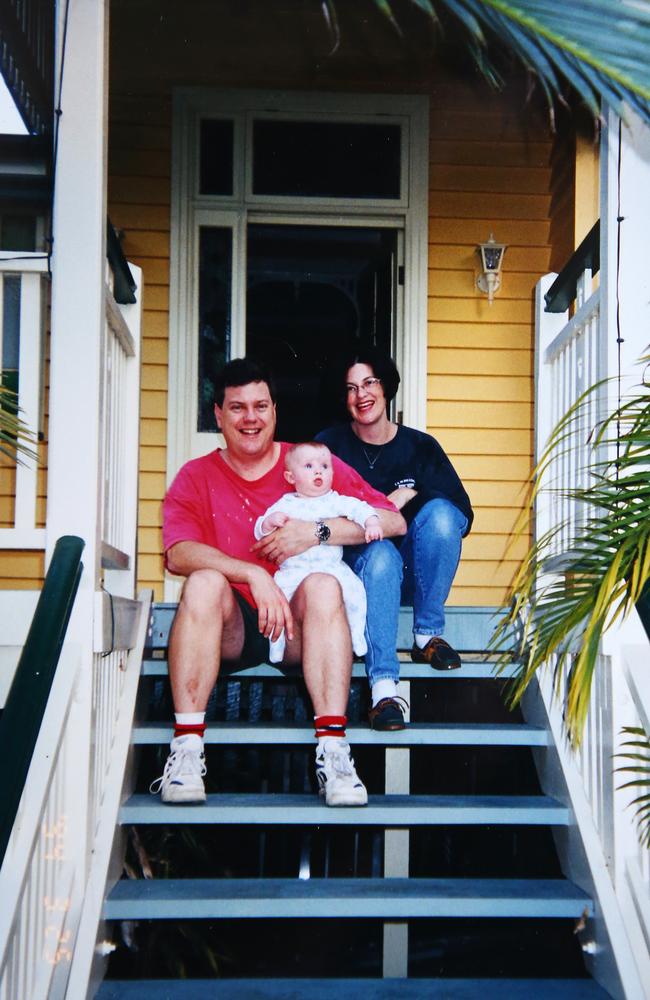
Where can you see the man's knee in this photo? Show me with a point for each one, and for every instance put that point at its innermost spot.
(320, 590)
(206, 591)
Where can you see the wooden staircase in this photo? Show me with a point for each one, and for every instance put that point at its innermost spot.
(427, 873)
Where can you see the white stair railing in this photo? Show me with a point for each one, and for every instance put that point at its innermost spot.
(120, 415)
(570, 359)
(618, 945)
(52, 884)
(53, 876)
(23, 286)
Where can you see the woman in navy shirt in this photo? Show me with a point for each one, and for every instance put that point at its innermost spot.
(412, 469)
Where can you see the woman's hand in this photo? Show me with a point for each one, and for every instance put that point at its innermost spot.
(402, 495)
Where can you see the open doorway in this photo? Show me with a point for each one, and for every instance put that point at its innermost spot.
(313, 293)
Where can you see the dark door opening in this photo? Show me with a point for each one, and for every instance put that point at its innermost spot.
(313, 293)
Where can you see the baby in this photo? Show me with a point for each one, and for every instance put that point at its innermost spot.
(308, 468)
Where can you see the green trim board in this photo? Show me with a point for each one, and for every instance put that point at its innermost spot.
(28, 696)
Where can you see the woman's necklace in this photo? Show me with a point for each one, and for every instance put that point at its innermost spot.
(372, 461)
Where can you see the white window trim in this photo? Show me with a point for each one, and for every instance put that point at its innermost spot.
(187, 207)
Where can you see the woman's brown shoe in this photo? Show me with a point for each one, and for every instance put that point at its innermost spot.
(438, 653)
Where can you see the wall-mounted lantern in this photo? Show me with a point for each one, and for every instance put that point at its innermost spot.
(491, 254)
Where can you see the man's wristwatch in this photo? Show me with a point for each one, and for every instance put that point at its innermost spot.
(322, 532)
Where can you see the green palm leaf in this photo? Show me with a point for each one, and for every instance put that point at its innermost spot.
(640, 766)
(561, 615)
(599, 47)
(15, 437)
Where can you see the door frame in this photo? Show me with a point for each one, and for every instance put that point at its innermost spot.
(189, 208)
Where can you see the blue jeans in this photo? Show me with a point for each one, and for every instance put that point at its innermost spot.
(419, 571)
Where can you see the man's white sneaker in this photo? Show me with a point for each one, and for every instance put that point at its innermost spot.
(338, 781)
(182, 779)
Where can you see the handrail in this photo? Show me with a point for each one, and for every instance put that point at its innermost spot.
(587, 257)
(124, 282)
(27, 698)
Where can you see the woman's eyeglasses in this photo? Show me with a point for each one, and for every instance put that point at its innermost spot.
(367, 385)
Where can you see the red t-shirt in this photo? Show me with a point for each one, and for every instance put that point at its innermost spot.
(209, 503)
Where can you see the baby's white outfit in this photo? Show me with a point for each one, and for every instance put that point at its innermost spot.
(322, 559)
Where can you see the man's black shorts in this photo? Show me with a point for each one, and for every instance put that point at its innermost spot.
(256, 647)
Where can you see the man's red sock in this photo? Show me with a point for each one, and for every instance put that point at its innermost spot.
(330, 725)
(183, 729)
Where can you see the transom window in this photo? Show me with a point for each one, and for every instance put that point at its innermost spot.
(299, 233)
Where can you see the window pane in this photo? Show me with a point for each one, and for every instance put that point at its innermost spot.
(17, 232)
(216, 156)
(215, 294)
(326, 160)
(10, 335)
(10, 321)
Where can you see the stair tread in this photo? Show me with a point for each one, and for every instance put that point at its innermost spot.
(390, 810)
(344, 897)
(415, 734)
(470, 670)
(324, 989)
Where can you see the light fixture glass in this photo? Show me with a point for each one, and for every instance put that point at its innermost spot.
(491, 254)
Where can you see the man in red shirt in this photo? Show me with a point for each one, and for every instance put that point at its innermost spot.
(231, 607)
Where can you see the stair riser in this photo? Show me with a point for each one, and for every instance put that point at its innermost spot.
(265, 816)
(354, 989)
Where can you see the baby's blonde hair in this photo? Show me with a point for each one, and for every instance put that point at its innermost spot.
(302, 444)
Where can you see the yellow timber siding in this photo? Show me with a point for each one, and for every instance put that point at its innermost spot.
(563, 189)
(489, 173)
(575, 191)
(139, 205)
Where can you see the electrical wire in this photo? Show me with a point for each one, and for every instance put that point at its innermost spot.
(619, 339)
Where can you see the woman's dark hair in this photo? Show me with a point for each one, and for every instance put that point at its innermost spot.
(241, 371)
(382, 365)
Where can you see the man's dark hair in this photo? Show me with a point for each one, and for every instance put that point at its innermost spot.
(241, 371)
(382, 365)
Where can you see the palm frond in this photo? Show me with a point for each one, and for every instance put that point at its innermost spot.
(16, 440)
(562, 614)
(640, 767)
(598, 47)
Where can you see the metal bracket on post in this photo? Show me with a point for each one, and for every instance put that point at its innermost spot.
(396, 855)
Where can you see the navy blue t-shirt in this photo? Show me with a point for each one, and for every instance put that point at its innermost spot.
(411, 459)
